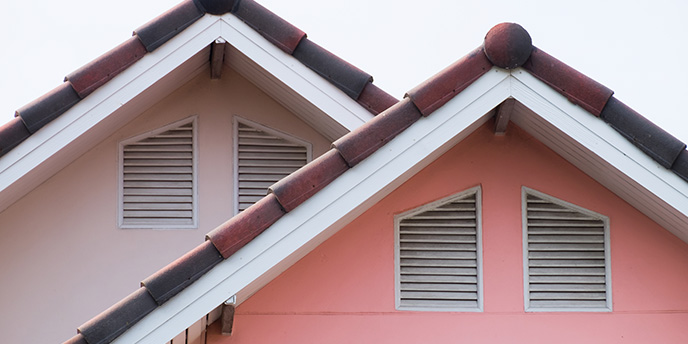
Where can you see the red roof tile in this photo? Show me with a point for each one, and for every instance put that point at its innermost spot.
(161, 29)
(99, 71)
(436, 91)
(574, 85)
(232, 235)
(366, 139)
(299, 186)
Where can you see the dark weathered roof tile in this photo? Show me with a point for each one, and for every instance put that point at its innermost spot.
(574, 85)
(340, 73)
(48, 107)
(12, 133)
(161, 29)
(99, 71)
(232, 235)
(443, 86)
(366, 139)
(275, 29)
(651, 139)
(115, 320)
(375, 99)
(680, 166)
(173, 278)
(216, 7)
(299, 186)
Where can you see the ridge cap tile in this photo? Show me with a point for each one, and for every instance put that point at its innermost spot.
(99, 71)
(651, 139)
(368, 138)
(680, 166)
(12, 133)
(345, 76)
(216, 7)
(300, 185)
(48, 107)
(436, 91)
(271, 26)
(240, 229)
(109, 324)
(156, 32)
(176, 276)
(375, 99)
(574, 85)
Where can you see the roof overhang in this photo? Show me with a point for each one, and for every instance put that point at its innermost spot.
(295, 86)
(582, 139)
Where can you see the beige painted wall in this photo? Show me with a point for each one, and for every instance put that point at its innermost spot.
(64, 260)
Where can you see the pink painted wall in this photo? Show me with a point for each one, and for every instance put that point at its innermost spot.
(62, 258)
(343, 291)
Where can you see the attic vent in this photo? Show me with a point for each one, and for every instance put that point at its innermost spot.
(264, 156)
(158, 178)
(439, 255)
(566, 256)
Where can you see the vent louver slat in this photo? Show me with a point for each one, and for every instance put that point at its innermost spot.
(158, 179)
(438, 256)
(566, 256)
(263, 159)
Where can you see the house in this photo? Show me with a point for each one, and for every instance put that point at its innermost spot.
(118, 154)
(508, 198)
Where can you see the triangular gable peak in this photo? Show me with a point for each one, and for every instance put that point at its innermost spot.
(330, 94)
(507, 78)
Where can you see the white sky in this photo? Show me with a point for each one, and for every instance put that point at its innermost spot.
(635, 48)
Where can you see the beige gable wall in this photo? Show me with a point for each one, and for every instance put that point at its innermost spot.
(63, 257)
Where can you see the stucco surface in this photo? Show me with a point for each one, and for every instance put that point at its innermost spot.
(63, 258)
(343, 291)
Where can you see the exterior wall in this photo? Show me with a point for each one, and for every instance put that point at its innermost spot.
(343, 291)
(63, 257)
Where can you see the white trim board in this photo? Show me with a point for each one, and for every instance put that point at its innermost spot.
(25, 167)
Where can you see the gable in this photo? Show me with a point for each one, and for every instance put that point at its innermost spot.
(348, 281)
(319, 87)
(93, 262)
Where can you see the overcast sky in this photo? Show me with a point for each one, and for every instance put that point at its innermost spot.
(635, 48)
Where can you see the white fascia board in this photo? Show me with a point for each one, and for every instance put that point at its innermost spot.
(105, 100)
(327, 211)
(601, 139)
(314, 88)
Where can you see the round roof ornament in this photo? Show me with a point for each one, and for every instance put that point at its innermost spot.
(508, 45)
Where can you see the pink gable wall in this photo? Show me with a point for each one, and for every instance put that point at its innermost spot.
(343, 291)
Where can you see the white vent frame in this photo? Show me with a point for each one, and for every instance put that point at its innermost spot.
(235, 149)
(525, 191)
(477, 191)
(194, 194)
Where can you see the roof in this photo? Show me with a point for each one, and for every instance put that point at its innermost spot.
(507, 49)
(354, 82)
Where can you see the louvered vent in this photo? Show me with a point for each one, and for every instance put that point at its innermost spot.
(158, 181)
(439, 254)
(566, 258)
(264, 157)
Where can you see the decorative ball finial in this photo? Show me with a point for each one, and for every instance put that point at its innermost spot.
(508, 45)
